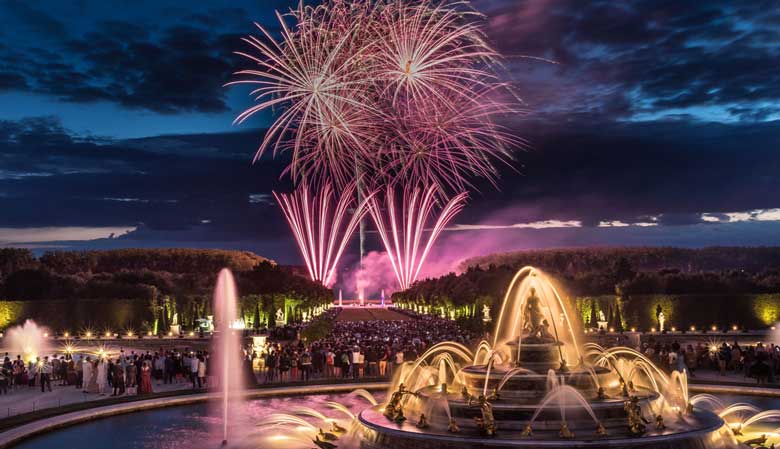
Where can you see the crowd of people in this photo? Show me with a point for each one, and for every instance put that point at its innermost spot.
(106, 374)
(357, 349)
(760, 362)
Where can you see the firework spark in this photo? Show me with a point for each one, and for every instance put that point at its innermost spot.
(403, 227)
(390, 88)
(320, 227)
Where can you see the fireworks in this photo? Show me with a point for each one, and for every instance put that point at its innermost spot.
(391, 92)
(403, 227)
(321, 229)
(389, 88)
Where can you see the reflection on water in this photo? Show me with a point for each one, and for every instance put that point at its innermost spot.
(187, 427)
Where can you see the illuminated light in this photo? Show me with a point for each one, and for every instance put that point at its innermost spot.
(652, 329)
(108, 334)
(612, 329)
(279, 437)
(674, 329)
(633, 329)
(734, 327)
(45, 335)
(693, 328)
(149, 334)
(406, 230)
(713, 348)
(89, 334)
(714, 328)
(129, 333)
(170, 334)
(321, 228)
(66, 335)
(773, 328)
(192, 334)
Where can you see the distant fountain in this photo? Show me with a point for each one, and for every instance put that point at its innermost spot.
(27, 340)
(226, 347)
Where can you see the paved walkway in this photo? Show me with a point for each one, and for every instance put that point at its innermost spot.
(26, 400)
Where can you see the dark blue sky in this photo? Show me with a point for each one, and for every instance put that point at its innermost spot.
(657, 124)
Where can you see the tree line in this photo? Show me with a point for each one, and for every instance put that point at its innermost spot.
(172, 283)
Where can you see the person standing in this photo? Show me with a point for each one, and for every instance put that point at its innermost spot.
(102, 376)
(201, 370)
(194, 362)
(131, 377)
(86, 370)
(305, 366)
(45, 373)
(145, 386)
(119, 378)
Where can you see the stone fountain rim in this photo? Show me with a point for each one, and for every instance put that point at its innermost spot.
(716, 424)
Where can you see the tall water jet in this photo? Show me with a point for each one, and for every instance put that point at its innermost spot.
(226, 347)
(27, 340)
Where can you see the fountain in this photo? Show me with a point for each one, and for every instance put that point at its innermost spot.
(28, 340)
(227, 346)
(536, 385)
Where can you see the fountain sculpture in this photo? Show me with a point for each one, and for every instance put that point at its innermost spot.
(534, 385)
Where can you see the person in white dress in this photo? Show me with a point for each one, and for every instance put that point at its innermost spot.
(86, 367)
(102, 376)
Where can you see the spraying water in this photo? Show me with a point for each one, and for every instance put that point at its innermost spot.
(227, 347)
(27, 340)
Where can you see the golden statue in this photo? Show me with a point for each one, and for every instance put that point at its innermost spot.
(487, 423)
(337, 429)
(565, 432)
(636, 422)
(327, 436)
(452, 427)
(601, 394)
(394, 409)
(423, 422)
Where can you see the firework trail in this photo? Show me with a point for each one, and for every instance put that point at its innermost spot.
(389, 88)
(403, 227)
(321, 226)
(391, 92)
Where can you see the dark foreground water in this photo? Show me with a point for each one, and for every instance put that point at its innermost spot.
(196, 426)
(199, 426)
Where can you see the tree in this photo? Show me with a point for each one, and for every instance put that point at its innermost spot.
(618, 324)
(256, 321)
(594, 317)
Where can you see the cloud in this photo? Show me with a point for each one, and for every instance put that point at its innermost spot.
(643, 60)
(27, 236)
(178, 69)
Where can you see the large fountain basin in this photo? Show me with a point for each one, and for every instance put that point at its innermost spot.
(377, 432)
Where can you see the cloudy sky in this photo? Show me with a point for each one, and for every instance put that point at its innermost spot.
(651, 123)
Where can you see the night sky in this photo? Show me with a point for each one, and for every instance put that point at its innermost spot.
(650, 123)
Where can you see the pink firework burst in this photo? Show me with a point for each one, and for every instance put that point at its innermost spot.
(368, 86)
(322, 225)
(408, 229)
